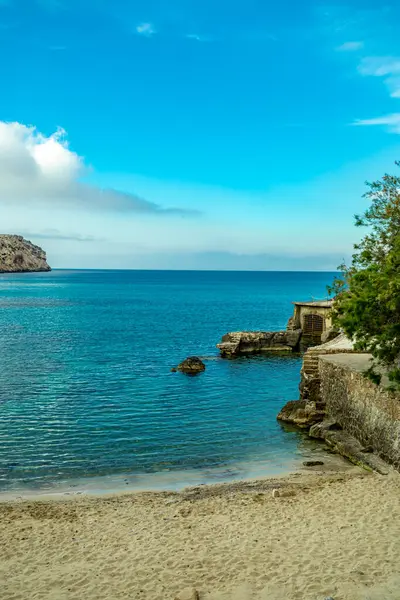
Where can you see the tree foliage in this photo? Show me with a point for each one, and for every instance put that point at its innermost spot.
(367, 305)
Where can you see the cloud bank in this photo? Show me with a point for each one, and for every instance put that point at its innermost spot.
(36, 170)
(56, 234)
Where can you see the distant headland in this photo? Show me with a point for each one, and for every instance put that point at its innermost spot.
(18, 255)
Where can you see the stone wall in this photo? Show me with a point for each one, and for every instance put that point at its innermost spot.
(367, 411)
(310, 380)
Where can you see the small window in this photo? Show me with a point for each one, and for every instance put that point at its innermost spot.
(313, 324)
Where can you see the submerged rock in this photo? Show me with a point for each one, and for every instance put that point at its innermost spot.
(191, 366)
(18, 255)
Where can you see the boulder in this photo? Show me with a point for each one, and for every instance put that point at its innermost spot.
(319, 430)
(191, 366)
(293, 412)
(301, 413)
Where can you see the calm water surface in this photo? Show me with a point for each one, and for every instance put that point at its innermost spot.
(85, 383)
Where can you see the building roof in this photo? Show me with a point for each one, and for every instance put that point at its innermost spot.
(318, 304)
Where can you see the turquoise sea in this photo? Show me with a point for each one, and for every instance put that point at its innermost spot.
(86, 393)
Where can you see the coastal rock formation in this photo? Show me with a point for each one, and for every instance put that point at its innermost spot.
(18, 255)
(347, 445)
(302, 413)
(355, 417)
(310, 409)
(191, 366)
(241, 343)
(304, 329)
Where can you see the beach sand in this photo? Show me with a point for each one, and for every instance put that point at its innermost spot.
(338, 536)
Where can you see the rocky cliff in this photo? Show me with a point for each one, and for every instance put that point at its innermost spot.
(18, 255)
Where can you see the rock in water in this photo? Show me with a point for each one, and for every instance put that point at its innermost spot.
(18, 255)
(192, 366)
(243, 343)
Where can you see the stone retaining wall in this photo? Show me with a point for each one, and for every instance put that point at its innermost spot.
(309, 374)
(367, 411)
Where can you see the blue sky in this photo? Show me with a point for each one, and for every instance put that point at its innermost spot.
(195, 134)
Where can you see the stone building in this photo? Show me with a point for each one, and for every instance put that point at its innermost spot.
(310, 324)
(313, 318)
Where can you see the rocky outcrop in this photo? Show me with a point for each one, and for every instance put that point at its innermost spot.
(18, 255)
(338, 405)
(310, 409)
(191, 366)
(343, 443)
(242, 343)
(301, 413)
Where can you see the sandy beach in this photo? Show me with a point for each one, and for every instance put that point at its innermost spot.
(338, 535)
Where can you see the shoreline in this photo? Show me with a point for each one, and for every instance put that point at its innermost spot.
(176, 481)
(296, 479)
(325, 534)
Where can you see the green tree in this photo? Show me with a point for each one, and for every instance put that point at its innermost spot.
(367, 305)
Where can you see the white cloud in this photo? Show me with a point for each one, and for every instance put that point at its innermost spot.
(36, 170)
(387, 67)
(146, 29)
(379, 66)
(350, 47)
(392, 122)
(383, 66)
